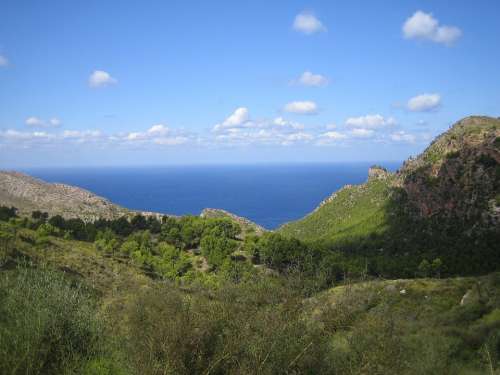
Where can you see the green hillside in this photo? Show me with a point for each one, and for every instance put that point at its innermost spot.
(95, 311)
(442, 204)
(351, 212)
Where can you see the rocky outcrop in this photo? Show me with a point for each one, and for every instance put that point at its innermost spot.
(377, 172)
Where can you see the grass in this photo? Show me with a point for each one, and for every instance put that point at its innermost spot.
(355, 211)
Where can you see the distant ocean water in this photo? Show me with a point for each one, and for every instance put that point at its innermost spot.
(269, 195)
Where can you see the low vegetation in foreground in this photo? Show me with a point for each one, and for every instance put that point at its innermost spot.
(199, 296)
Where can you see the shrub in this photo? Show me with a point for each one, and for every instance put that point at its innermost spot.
(48, 324)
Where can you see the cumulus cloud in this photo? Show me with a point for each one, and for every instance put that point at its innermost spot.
(307, 23)
(236, 119)
(3, 61)
(424, 103)
(34, 121)
(100, 78)
(302, 107)
(312, 80)
(370, 122)
(424, 26)
(158, 134)
(239, 130)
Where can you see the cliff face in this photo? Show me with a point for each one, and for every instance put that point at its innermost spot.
(458, 175)
(28, 194)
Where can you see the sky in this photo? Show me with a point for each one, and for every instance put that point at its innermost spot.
(105, 83)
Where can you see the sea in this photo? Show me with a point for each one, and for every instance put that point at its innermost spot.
(269, 195)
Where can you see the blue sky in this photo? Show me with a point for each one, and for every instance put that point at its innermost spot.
(173, 82)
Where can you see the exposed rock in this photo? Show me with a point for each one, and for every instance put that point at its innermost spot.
(458, 175)
(377, 172)
(29, 194)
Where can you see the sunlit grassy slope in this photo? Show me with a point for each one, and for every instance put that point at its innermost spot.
(354, 211)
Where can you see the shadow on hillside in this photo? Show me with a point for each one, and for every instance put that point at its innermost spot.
(441, 215)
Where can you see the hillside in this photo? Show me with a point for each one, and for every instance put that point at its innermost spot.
(353, 210)
(247, 226)
(134, 321)
(443, 203)
(28, 194)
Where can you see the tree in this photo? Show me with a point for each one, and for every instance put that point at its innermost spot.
(121, 226)
(47, 229)
(39, 215)
(106, 241)
(424, 268)
(129, 247)
(7, 213)
(139, 222)
(76, 227)
(172, 262)
(216, 249)
(223, 227)
(281, 253)
(57, 221)
(436, 267)
(154, 225)
(172, 235)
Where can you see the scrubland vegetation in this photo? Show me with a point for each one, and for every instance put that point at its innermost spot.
(196, 295)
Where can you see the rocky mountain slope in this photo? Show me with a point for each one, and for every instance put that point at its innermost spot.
(458, 175)
(28, 194)
(444, 202)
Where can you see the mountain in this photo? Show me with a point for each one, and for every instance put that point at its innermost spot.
(443, 203)
(28, 194)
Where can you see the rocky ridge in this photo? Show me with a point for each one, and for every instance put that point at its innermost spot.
(28, 194)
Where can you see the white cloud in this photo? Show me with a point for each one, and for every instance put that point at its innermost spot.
(3, 61)
(307, 23)
(81, 135)
(238, 117)
(100, 78)
(331, 126)
(370, 122)
(302, 107)
(158, 134)
(158, 130)
(424, 102)
(54, 121)
(34, 121)
(17, 135)
(333, 135)
(402, 136)
(171, 141)
(424, 26)
(362, 133)
(312, 80)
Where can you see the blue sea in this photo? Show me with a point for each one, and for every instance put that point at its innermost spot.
(269, 195)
